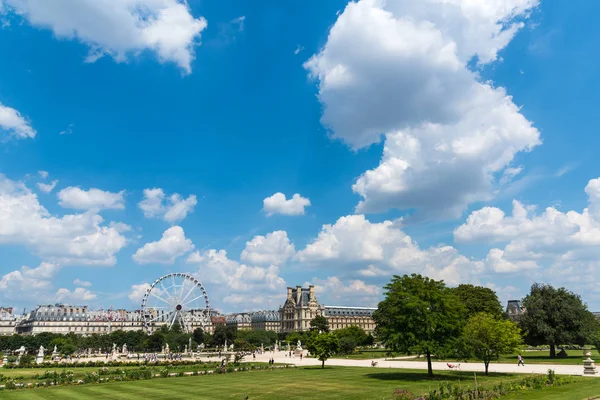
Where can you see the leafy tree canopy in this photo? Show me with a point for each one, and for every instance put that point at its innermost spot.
(478, 299)
(418, 314)
(488, 336)
(323, 345)
(556, 317)
(319, 323)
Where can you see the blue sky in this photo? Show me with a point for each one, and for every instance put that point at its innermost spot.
(393, 122)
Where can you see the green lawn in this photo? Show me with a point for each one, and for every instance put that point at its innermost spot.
(28, 374)
(302, 383)
(575, 357)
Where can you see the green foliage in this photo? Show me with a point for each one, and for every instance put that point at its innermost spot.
(319, 323)
(419, 315)
(242, 345)
(556, 317)
(478, 299)
(256, 338)
(358, 335)
(323, 345)
(222, 333)
(198, 335)
(488, 336)
(347, 344)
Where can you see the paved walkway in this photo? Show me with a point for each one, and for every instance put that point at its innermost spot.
(437, 366)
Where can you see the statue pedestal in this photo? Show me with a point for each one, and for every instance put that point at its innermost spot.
(39, 359)
(5, 361)
(298, 351)
(588, 367)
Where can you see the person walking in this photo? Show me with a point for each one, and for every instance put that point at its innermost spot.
(520, 361)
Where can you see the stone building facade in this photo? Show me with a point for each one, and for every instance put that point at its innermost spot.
(301, 306)
(8, 321)
(63, 318)
(340, 317)
(267, 320)
(242, 322)
(299, 309)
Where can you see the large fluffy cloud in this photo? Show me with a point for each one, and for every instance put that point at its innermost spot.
(137, 292)
(76, 296)
(382, 249)
(332, 291)
(26, 283)
(171, 245)
(92, 199)
(14, 123)
(400, 68)
(119, 28)
(552, 238)
(173, 209)
(278, 204)
(274, 248)
(70, 239)
(238, 284)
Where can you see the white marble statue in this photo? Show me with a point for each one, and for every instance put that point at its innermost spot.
(55, 350)
(21, 350)
(167, 350)
(225, 346)
(114, 349)
(231, 347)
(124, 349)
(41, 351)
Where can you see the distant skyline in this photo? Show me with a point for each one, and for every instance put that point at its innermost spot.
(273, 144)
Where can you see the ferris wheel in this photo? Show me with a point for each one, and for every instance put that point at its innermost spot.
(176, 298)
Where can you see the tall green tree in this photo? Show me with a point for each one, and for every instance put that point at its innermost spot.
(488, 336)
(323, 345)
(419, 315)
(356, 333)
(319, 323)
(477, 299)
(556, 317)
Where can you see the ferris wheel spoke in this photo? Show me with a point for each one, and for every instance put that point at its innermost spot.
(160, 298)
(194, 299)
(174, 318)
(190, 292)
(166, 291)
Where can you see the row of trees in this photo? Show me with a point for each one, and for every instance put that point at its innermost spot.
(424, 316)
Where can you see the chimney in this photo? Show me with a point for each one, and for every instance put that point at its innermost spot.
(289, 293)
(298, 294)
(311, 288)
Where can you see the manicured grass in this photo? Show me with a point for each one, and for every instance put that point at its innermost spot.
(575, 357)
(584, 388)
(302, 383)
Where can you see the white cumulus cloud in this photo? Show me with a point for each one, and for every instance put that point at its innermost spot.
(171, 245)
(12, 122)
(172, 209)
(92, 199)
(383, 249)
(137, 292)
(277, 204)
(399, 69)
(71, 239)
(82, 283)
(75, 296)
(47, 187)
(119, 28)
(274, 248)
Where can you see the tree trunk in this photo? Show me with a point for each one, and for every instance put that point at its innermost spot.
(552, 351)
(429, 369)
(323, 364)
(487, 364)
